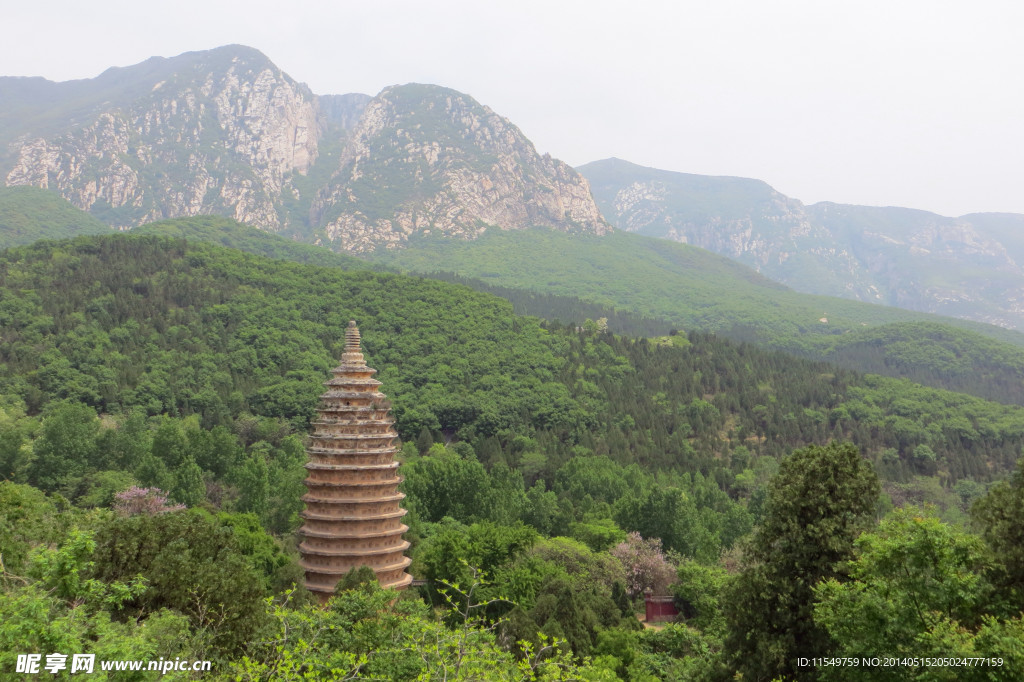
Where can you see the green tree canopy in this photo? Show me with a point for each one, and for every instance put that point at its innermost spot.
(816, 506)
(917, 589)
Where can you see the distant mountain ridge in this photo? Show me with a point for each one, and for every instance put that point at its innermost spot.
(226, 132)
(970, 267)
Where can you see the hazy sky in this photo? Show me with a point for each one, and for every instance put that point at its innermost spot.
(916, 103)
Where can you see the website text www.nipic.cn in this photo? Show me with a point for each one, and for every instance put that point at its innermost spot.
(86, 663)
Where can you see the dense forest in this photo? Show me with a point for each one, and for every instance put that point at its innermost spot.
(154, 397)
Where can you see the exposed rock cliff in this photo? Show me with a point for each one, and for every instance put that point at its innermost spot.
(226, 132)
(217, 135)
(429, 159)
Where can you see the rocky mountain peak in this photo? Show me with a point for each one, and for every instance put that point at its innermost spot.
(219, 132)
(429, 159)
(226, 132)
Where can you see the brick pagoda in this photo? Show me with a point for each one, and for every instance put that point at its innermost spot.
(353, 515)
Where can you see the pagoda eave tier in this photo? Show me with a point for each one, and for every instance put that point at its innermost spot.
(325, 591)
(402, 564)
(392, 577)
(354, 421)
(389, 466)
(352, 394)
(308, 548)
(313, 516)
(373, 430)
(362, 499)
(370, 432)
(351, 452)
(389, 482)
(346, 381)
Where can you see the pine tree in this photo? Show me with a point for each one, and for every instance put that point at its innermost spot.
(254, 485)
(189, 488)
(424, 440)
(816, 506)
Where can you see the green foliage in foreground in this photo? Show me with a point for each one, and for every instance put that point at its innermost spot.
(821, 579)
(1000, 515)
(191, 564)
(365, 634)
(917, 589)
(191, 593)
(912, 587)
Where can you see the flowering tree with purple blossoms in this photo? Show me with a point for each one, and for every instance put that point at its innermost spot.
(645, 564)
(150, 501)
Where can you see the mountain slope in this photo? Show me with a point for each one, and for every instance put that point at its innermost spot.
(911, 259)
(568, 310)
(681, 286)
(215, 132)
(226, 132)
(678, 282)
(30, 213)
(236, 235)
(418, 145)
(740, 218)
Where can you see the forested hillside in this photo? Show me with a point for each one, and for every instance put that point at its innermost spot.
(231, 233)
(30, 213)
(156, 392)
(168, 326)
(934, 353)
(565, 309)
(695, 290)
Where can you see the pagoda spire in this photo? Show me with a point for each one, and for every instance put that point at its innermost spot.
(353, 515)
(353, 353)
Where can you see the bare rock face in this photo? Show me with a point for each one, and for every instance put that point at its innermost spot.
(431, 160)
(221, 135)
(89, 168)
(226, 132)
